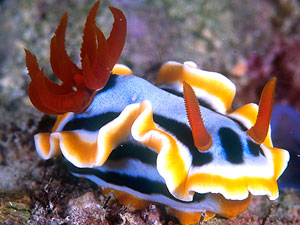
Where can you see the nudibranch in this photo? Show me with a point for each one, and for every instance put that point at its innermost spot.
(180, 144)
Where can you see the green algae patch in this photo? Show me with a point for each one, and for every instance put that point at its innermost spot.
(14, 208)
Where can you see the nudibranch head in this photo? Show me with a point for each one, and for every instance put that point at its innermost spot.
(98, 57)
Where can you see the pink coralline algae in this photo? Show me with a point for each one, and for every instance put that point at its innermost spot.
(282, 60)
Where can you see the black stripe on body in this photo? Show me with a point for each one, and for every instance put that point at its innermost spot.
(91, 123)
(232, 145)
(184, 134)
(134, 151)
(180, 130)
(139, 184)
(240, 124)
(254, 148)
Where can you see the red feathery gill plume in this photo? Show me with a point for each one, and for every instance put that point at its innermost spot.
(98, 56)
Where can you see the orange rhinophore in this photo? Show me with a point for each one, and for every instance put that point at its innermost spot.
(98, 57)
(202, 138)
(260, 129)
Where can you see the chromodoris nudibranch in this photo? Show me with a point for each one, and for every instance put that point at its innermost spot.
(180, 144)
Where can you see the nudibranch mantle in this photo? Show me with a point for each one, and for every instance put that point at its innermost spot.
(140, 140)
